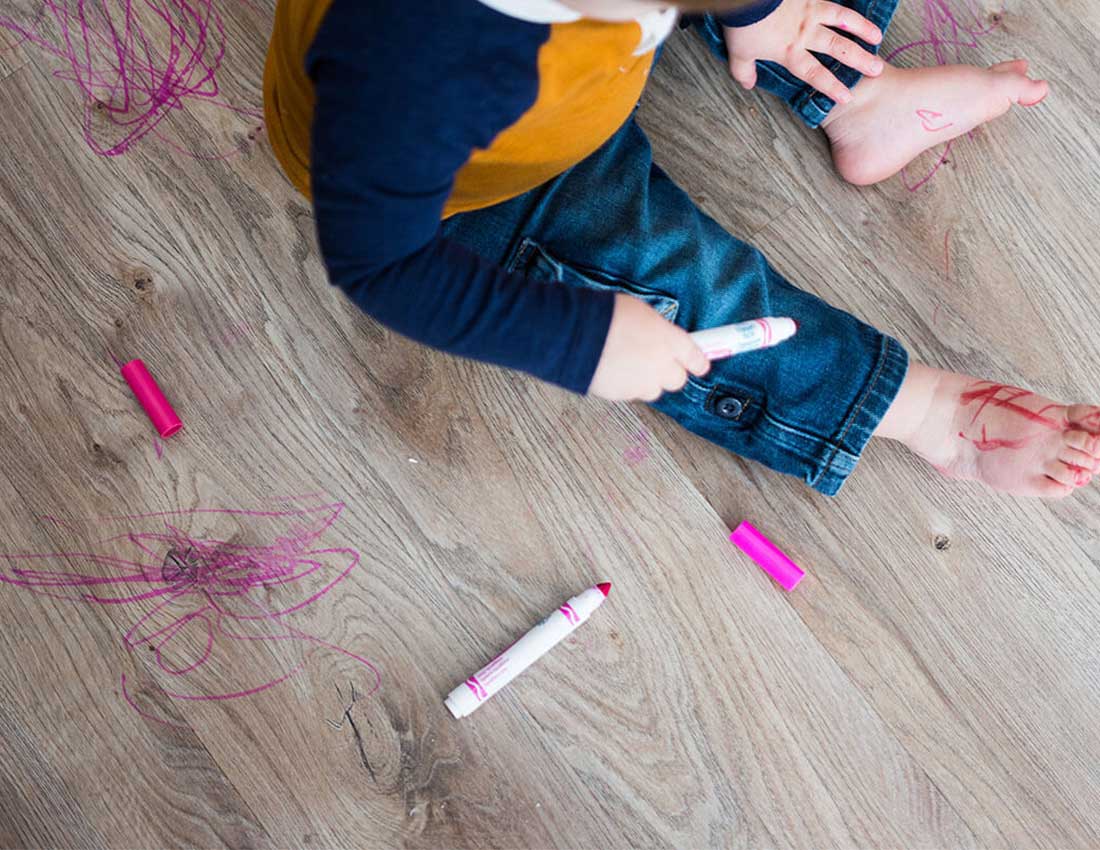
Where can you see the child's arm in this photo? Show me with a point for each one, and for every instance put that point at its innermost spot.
(390, 130)
(790, 32)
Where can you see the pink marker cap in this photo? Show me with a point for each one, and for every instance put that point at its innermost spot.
(767, 556)
(156, 406)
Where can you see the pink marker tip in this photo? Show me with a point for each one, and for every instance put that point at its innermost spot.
(605, 587)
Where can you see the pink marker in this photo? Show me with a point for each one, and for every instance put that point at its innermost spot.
(466, 698)
(728, 340)
(767, 556)
(156, 406)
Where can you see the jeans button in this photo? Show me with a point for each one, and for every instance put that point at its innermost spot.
(729, 407)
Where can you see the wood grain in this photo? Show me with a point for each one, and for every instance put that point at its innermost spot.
(931, 684)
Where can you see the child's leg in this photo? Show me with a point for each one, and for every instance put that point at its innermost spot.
(807, 407)
(898, 115)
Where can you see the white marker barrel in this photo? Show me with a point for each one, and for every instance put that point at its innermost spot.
(729, 340)
(524, 652)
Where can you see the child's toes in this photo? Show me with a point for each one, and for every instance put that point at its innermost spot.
(1080, 459)
(1069, 474)
(1021, 89)
(1083, 442)
(1016, 66)
(1085, 417)
(1048, 488)
(1032, 92)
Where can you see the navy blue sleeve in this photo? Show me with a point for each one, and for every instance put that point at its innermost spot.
(750, 14)
(402, 99)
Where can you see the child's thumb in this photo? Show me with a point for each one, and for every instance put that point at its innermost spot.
(744, 72)
(691, 357)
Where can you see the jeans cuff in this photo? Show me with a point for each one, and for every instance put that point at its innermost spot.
(842, 454)
(809, 104)
(813, 106)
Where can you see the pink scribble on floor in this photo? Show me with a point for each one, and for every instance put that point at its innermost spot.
(216, 615)
(137, 65)
(638, 451)
(235, 334)
(949, 26)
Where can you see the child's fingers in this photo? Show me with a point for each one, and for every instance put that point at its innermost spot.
(675, 380)
(835, 15)
(808, 69)
(692, 358)
(846, 51)
(744, 72)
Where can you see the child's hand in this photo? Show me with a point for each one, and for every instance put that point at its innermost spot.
(788, 35)
(645, 355)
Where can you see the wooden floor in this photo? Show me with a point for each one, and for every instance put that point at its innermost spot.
(933, 683)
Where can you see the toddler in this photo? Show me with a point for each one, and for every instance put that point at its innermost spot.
(481, 186)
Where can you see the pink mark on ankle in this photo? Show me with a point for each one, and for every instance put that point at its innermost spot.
(929, 118)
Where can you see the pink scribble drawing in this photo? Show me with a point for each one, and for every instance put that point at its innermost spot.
(932, 121)
(215, 614)
(949, 27)
(136, 65)
(235, 333)
(639, 450)
(158, 447)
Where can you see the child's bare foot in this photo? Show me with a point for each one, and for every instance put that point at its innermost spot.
(898, 115)
(1006, 437)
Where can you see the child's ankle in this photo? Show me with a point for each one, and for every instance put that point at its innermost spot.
(915, 404)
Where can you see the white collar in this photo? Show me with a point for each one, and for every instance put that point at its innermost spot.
(656, 25)
(535, 11)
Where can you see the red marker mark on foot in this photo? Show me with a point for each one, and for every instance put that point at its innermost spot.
(1090, 423)
(990, 444)
(1081, 476)
(929, 119)
(991, 396)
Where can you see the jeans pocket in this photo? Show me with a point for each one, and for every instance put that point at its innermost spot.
(534, 261)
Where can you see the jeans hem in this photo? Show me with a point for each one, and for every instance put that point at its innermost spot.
(760, 434)
(813, 106)
(806, 102)
(880, 392)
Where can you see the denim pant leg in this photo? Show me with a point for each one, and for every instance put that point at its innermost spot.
(809, 104)
(615, 221)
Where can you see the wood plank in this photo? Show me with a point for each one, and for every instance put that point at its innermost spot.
(973, 655)
(518, 497)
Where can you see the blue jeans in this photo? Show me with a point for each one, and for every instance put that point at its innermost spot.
(616, 221)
